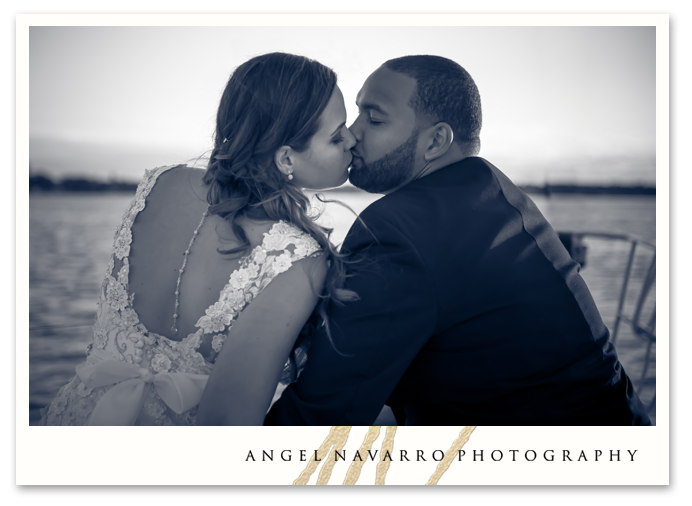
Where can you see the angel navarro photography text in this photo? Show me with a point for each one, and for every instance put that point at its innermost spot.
(549, 455)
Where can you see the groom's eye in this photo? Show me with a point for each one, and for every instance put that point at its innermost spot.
(373, 121)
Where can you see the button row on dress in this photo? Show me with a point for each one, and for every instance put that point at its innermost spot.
(139, 352)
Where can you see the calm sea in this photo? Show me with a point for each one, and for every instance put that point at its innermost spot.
(71, 237)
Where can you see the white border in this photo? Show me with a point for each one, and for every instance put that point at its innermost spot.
(75, 457)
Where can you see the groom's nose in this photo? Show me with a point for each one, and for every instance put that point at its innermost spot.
(356, 129)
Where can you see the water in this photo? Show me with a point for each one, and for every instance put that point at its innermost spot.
(71, 237)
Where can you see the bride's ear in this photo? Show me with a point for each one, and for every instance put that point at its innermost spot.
(283, 158)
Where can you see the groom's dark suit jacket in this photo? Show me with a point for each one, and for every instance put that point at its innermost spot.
(471, 312)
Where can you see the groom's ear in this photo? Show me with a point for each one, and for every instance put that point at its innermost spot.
(283, 158)
(439, 138)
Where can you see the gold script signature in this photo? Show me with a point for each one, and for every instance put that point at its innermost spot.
(337, 438)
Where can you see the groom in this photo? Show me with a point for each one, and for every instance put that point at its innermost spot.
(471, 311)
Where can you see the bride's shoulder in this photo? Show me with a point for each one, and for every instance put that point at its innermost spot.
(173, 181)
(172, 172)
(153, 174)
(279, 236)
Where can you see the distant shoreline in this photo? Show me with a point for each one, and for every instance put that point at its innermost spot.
(43, 184)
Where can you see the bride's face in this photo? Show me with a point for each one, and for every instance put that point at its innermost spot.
(324, 164)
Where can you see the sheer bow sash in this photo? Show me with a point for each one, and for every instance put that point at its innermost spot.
(121, 404)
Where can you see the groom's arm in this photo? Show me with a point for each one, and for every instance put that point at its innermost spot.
(376, 337)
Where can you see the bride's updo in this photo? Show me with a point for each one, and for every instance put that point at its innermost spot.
(270, 101)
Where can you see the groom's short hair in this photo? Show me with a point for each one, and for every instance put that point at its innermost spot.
(444, 92)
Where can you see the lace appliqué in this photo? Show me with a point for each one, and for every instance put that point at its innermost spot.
(118, 311)
(281, 246)
(73, 404)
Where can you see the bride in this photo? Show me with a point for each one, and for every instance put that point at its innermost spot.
(215, 274)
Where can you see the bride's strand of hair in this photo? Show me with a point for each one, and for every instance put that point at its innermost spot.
(231, 196)
(321, 198)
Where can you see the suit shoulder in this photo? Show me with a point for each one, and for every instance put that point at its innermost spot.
(380, 209)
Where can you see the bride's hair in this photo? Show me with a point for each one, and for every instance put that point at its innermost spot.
(270, 101)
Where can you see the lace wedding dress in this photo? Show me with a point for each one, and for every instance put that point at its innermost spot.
(135, 377)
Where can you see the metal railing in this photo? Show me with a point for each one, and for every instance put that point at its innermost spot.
(645, 330)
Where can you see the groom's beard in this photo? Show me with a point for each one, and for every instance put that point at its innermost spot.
(388, 172)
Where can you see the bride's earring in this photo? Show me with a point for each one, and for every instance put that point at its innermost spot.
(290, 175)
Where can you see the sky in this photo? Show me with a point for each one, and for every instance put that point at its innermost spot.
(560, 104)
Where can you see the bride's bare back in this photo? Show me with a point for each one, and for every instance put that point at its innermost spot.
(160, 236)
(235, 335)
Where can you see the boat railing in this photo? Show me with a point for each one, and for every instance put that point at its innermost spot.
(641, 323)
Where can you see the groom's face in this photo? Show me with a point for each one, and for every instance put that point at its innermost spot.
(385, 130)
